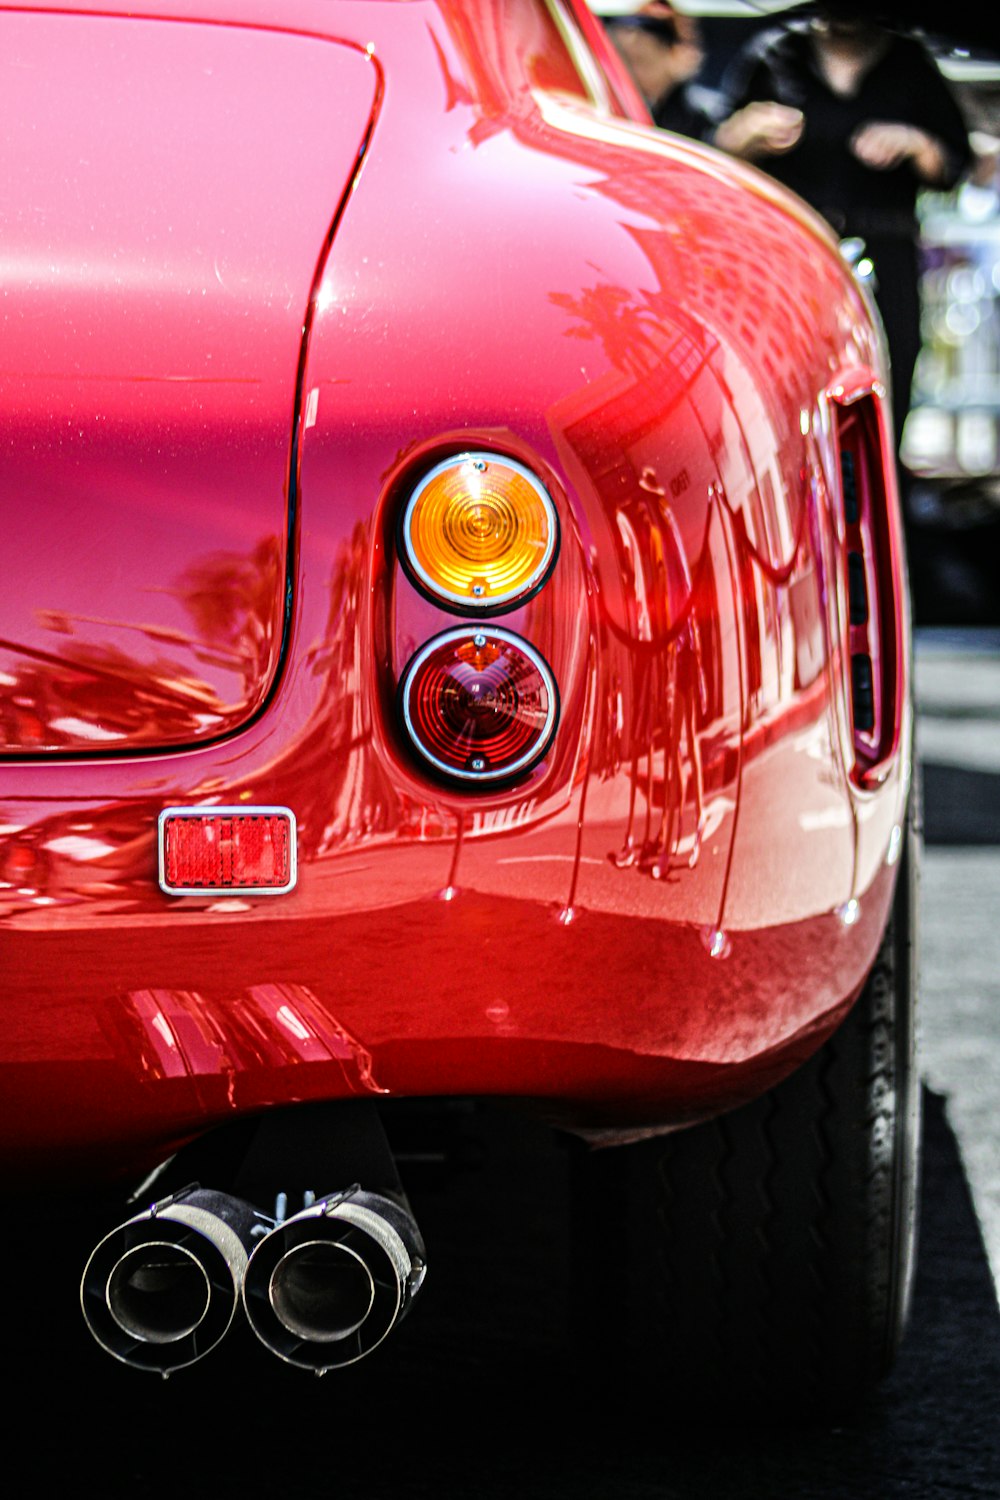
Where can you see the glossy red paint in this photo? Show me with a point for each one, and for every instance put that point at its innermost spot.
(152, 332)
(680, 900)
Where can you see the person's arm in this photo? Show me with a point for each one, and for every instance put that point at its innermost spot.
(755, 124)
(883, 144)
(933, 139)
(760, 129)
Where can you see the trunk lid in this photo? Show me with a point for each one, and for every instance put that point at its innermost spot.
(167, 191)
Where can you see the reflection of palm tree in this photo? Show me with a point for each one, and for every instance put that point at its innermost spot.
(631, 334)
(100, 691)
(231, 598)
(117, 695)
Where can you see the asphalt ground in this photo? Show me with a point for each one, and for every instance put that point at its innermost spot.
(958, 736)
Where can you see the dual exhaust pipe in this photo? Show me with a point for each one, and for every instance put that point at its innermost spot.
(321, 1289)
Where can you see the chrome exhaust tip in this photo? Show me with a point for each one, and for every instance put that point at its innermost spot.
(161, 1290)
(325, 1287)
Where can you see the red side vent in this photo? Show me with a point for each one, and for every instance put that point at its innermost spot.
(227, 849)
(873, 581)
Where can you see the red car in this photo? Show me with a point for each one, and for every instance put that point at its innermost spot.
(453, 646)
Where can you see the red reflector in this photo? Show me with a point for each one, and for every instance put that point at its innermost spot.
(227, 849)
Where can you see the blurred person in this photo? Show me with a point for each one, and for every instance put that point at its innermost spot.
(856, 119)
(662, 49)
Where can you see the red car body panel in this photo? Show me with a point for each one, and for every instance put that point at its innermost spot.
(153, 330)
(682, 899)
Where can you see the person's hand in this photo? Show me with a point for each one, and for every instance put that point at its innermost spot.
(764, 128)
(884, 144)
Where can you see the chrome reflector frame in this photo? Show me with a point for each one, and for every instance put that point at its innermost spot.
(220, 853)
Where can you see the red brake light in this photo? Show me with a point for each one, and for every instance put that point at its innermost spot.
(479, 705)
(227, 849)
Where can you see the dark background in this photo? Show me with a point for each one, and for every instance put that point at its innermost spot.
(967, 24)
(475, 1395)
(953, 527)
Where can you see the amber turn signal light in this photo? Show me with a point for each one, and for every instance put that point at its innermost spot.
(479, 532)
(479, 705)
(219, 850)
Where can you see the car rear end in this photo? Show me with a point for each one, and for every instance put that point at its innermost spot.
(427, 668)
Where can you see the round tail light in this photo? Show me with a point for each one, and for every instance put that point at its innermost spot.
(479, 705)
(479, 532)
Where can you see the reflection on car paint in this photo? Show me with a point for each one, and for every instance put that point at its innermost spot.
(668, 958)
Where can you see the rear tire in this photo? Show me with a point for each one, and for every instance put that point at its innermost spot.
(763, 1261)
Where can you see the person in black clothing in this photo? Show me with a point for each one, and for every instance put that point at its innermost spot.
(662, 50)
(856, 119)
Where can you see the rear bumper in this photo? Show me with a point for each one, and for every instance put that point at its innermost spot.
(408, 969)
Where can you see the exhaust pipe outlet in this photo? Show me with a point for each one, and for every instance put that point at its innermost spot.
(161, 1290)
(325, 1287)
